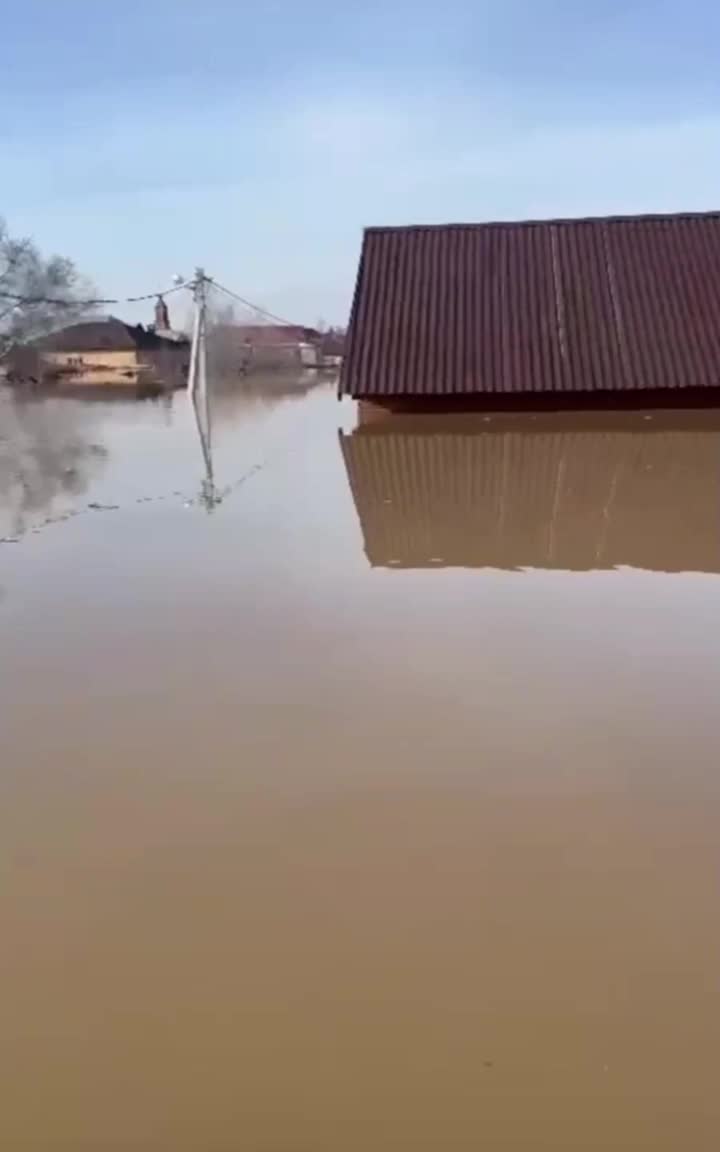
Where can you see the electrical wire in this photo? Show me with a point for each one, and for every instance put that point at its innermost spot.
(30, 301)
(95, 300)
(249, 304)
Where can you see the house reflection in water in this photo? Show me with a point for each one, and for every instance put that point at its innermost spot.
(562, 491)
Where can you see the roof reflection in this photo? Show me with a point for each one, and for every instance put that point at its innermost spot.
(561, 491)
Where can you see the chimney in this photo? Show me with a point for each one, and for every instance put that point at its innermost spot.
(162, 316)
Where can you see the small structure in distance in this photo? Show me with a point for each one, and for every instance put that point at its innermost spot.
(239, 349)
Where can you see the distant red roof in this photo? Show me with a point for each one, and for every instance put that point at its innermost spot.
(563, 306)
(332, 342)
(271, 335)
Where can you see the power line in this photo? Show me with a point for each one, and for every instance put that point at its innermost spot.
(249, 304)
(60, 303)
(94, 301)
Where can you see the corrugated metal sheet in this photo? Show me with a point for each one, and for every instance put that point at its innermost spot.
(538, 497)
(542, 307)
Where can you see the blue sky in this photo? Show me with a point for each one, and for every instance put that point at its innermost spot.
(143, 138)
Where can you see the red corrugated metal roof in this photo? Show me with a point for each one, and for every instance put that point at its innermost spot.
(616, 304)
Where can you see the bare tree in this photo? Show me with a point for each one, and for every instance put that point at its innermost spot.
(37, 295)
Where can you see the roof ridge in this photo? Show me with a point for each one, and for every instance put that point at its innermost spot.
(628, 218)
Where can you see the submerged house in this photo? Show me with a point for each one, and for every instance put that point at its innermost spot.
(236, 348)
(332, 347)
(543, 313)
(109, 351)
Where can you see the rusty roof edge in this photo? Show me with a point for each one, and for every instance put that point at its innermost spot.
(348, 362)
(626, 218)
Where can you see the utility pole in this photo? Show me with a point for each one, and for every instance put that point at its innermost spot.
(198, 381)
(198, 338)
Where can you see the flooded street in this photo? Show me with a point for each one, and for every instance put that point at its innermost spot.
(376, 807)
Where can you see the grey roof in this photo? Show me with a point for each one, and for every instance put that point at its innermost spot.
(111, 335)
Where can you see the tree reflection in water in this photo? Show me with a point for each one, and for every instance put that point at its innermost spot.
(48, 453)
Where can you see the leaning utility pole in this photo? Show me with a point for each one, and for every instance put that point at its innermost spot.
(197, 375)
(199, 333)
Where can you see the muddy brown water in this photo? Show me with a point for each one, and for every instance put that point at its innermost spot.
(378, 807)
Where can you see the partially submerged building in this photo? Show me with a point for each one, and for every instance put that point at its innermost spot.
(236, 349)
(542, 314)
(332, 347)
(107, 351)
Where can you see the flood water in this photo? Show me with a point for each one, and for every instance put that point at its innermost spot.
(376, 806)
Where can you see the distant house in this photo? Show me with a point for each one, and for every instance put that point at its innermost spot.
(279, 345)
(109, 351)
(277, 335)
(332, 347)
(240, 348)
(547, 312)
